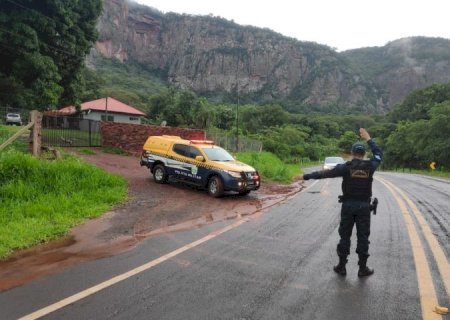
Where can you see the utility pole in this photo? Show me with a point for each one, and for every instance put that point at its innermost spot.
(237, 121)
(237, 106)
(106, 109)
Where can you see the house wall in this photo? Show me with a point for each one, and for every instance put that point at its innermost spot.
(131, 137)
(118, 117)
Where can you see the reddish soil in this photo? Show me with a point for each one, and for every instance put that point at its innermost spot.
(151, 209)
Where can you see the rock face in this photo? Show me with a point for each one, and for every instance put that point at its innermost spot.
(403, 65)
(212, 55)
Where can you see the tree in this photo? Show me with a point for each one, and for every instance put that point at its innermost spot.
(347, 140)
(202, 114)
(417, 105)
(43, 48)
(225, 117)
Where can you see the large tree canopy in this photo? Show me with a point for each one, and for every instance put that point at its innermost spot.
(43, 46)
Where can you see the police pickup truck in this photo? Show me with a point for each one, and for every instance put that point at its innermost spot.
(199, 163)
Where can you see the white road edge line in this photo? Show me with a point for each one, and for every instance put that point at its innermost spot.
(89, 291)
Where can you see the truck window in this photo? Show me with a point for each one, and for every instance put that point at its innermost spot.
(181, 149)
(194, 152)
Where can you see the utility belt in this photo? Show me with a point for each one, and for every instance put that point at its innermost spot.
(373, 204)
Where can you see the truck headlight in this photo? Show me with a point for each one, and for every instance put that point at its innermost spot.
(234, 174)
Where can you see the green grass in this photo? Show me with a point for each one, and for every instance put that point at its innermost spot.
(21, 144)
(7, 131)
(87, 152)
(114, 150)
(270, 166)
(41, 200)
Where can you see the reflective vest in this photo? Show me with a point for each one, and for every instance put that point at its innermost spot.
(357, 181)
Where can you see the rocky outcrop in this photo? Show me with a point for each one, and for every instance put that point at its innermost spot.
(214, 56)
(210, 54)
(403, 65)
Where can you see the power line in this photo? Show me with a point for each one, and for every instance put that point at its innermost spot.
(41, 42)
(31, 9)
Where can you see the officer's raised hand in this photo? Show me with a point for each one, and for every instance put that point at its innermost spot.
(364, 134)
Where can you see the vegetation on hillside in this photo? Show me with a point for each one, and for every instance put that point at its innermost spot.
(422, 131)
(128, 82)
(413, 135)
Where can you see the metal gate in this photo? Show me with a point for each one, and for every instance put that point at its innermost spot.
(63, 131)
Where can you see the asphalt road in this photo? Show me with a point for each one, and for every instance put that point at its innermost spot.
(272, 265)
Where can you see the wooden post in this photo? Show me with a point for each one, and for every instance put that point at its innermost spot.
(36, 134)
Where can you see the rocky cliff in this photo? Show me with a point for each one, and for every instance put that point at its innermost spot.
(215, 56)
(403, 65)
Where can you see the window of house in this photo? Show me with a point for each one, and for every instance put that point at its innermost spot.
(110, 118)
(134, 118)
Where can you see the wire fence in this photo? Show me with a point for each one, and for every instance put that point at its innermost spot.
(232, 143)
(61, 131)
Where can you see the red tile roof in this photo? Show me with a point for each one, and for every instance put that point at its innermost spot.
(100, 105)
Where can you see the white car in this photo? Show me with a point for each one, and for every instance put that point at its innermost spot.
(331, 162)
(13, 118)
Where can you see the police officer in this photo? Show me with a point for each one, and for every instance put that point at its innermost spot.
(357, 177)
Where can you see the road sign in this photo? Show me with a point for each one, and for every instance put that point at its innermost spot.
(433, 165)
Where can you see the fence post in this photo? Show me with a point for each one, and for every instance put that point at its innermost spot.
(36, 134)
(90, 135)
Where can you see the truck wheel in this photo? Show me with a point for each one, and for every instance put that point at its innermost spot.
(215, 186)
(159, 174)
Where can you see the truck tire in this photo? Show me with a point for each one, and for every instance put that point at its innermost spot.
(159, 174)
(215, 186)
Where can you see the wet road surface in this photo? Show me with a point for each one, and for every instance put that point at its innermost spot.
(275, 264)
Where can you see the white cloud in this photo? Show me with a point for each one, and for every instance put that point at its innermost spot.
(343, 24)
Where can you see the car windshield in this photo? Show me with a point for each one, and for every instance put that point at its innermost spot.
(217, 154)
(12, 115)
(334, 160)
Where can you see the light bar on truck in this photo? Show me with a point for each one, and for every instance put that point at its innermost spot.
(201, 141)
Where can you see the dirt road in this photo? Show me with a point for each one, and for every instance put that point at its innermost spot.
(150, 210)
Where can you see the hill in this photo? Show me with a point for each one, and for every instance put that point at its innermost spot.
(402, 66)
(223, 60)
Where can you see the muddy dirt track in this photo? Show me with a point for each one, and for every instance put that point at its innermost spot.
(150, 210)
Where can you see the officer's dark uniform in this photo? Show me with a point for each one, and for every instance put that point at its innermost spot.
(357, 190)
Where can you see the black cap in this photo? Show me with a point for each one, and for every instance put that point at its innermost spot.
(358, 148)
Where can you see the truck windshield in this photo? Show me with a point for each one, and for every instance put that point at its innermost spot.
(217, 154)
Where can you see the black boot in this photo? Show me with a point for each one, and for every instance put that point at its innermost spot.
(340, 268)
(364, 270)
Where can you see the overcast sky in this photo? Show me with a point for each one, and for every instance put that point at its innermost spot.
(341, 24)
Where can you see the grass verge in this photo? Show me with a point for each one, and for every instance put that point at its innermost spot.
(21, 144)
(41, 200)
(270, 166)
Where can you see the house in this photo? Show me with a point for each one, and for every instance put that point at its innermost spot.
(106, 109)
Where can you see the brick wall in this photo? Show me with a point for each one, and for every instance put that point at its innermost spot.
(131, 137)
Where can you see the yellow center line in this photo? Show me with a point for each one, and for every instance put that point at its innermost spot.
(428, 298)
(89, 291)
(438, 253)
